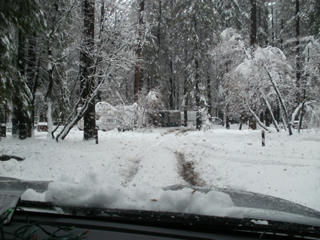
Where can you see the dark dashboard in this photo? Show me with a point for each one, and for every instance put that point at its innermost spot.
(133, 224)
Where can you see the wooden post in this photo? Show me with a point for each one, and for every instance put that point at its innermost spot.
(96, 137)
(263, 138)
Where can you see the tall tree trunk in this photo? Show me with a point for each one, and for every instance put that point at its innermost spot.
(253, 29)
(99, 46)
(21, 123)
(48, 96)
(87, 69)
(176, 91)
(209, 94)
(159, 26)
(298, 58)
(33, 74)
(197, 77)
(281, 33)
(185, 94)
(197, 80)
(253, 43)
(138, 72)
(171, 85)
(227, 122)
(304, 97)
(301, 114)
(49, 117)
(272, 25)
(34, 89)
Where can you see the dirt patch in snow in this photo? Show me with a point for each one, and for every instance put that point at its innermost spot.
(8, 157)
(179, 131)
(187, 171)
(185, 131)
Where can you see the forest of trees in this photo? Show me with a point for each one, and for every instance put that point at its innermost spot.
(257, 60)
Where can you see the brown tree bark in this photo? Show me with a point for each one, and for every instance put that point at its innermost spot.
(21, 122)
(87, 69)
(253, 15)
(298, 61)
(253, 43)
(138, 72)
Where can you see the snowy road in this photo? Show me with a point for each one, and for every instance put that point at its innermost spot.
(288, 167)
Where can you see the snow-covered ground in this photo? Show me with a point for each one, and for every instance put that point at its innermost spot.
(129, 169)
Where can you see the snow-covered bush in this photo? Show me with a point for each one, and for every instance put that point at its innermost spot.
(312, 114)
(145, 113)
(110, 117)
(148, 109)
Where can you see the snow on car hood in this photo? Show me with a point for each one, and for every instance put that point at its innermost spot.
(101, 193)
(220, 202)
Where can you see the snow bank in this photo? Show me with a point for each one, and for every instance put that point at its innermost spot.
(97, 191)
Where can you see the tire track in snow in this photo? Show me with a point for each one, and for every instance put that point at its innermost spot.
(158, 168)
(161, 161)
(132, 164)
(187, 171)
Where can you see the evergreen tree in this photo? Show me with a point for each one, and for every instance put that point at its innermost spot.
(23, 18)
(196, 24)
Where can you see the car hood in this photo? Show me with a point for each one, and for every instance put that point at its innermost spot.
(265, 207)
(258, 207)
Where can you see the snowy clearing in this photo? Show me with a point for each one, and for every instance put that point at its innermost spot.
(129, 169)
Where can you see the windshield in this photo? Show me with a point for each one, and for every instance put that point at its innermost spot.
(198, 107)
